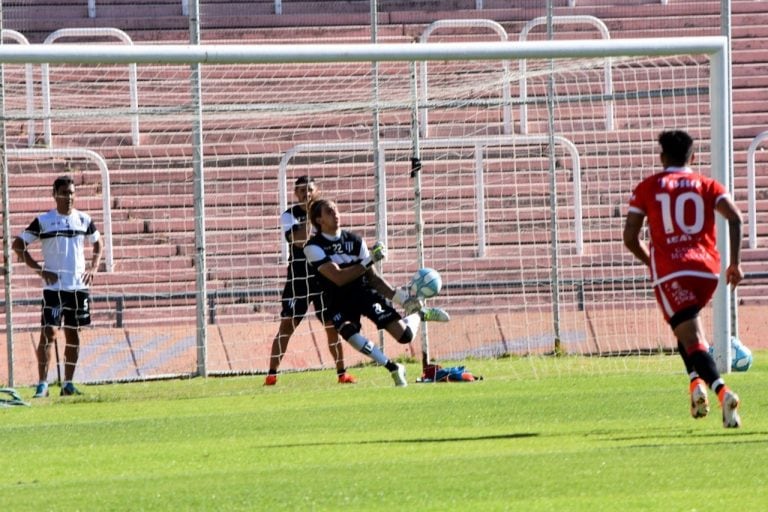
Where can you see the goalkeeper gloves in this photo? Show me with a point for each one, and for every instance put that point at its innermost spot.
(377, 253)
(410, 304)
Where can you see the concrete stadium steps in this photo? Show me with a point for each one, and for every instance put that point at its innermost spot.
(143, 216)
(145, 20)
(218, 130)
(170, 138)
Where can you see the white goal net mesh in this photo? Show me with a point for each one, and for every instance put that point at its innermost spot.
(523, 222)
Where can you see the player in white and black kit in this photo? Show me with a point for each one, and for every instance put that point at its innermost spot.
(352, 288)
(301, 286)
(63, 233)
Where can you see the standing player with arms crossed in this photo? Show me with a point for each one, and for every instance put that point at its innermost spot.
(301, 286)
(353, 288)
(684, 261)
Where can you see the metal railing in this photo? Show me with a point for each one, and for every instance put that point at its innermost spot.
(29, 84)
(106, 199)
(608, 78)
(477, 143)
(751, 187)
(480, 23)
(132, 78)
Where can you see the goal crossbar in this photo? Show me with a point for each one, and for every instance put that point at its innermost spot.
(254, 53)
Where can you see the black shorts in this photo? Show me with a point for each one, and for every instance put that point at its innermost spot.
(366, 302)
(74, 307)
(297, 294)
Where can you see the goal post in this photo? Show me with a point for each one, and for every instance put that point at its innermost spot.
(492, 242)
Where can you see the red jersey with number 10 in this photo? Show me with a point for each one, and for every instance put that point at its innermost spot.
(680, 206)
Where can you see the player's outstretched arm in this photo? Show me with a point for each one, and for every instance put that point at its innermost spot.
(379, 283)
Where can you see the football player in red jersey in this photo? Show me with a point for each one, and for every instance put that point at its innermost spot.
(683, 259)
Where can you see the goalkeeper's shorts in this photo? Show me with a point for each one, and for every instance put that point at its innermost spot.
(368, 303)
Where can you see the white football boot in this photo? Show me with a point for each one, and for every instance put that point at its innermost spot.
(398, 376)
(730, 405)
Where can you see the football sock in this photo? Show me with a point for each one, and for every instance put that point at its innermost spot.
(391, 366)
(704, 364)
(692, 385)
(366, 347)
(719, 386)
(684, 356)
(413, 321)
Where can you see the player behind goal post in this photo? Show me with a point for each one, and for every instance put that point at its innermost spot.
(301, 286)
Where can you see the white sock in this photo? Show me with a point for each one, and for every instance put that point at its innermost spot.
(367, 347)
(413, 321)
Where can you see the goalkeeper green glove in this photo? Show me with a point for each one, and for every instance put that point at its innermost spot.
(377, 253)
(410, 303)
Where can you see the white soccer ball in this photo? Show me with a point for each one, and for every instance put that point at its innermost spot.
(425, 283)
(741, 356)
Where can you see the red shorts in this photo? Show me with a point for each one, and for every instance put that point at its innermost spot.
(684, 292)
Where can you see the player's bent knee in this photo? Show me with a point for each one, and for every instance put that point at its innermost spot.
(407, 336)
(348, 330)
(683, 316)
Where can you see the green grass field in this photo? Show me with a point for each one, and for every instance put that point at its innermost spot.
(535, 435)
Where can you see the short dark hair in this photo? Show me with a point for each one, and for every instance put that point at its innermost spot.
(677, 146)
(303, 180)
(62, 181)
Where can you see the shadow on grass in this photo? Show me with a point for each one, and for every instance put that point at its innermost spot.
(521, 435)
(690, 438)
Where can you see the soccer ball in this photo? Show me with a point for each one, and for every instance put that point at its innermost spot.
(425, 283)
(741, 356)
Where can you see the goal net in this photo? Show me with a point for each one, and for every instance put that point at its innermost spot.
(524, 223)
